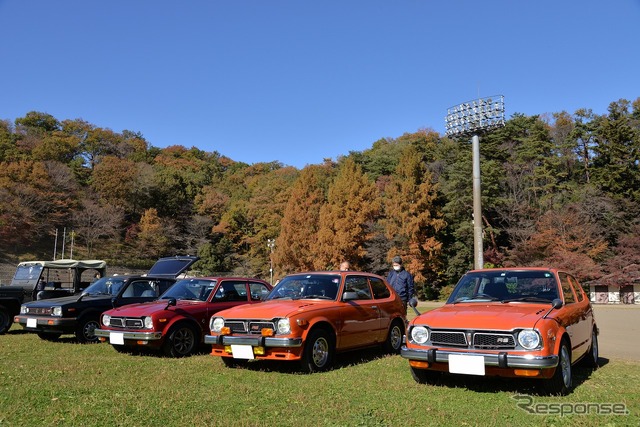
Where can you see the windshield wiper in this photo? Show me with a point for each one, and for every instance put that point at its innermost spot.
(528, 299)
(317, 297)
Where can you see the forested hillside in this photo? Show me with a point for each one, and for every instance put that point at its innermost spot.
(560, 189)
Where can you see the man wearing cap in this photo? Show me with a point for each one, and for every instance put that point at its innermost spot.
(401, 280)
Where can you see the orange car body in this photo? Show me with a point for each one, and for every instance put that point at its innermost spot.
(351, 310)
(506, 322)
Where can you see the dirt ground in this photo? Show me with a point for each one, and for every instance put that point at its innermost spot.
(619, 326)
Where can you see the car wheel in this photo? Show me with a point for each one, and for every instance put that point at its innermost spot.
(49, 336)
(5, 320)
(394, 338)
(318, 351)
(181, 341)
(425, 376)
(230, 362)
(562, 379)
(591, 358)
(85, 331)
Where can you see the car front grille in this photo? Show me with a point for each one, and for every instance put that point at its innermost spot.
(249, 326)
(497, 340)
(40, 310)
(127, 323)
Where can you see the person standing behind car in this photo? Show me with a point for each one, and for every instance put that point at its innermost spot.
(402, 281)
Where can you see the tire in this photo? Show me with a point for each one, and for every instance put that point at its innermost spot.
(591, 358)
(425, 376)
(182, 340)
(561, 382)
(6, 320)
(49, 336)
(318, 351)
(85, 331)
(393, 343)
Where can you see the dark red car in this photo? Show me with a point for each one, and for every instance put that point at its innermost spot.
(177, 322)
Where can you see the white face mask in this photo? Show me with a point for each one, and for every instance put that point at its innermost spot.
(397, 267)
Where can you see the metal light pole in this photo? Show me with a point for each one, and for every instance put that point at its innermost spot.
(473, 118)
(271, 243)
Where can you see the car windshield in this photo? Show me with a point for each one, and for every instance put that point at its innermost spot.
(307, 286)
(190, 289)
(105, 286)
(506, 286)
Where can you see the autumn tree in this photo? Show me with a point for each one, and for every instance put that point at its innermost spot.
(413, 220)
(93, 223)
(153, 237)
(351, 205)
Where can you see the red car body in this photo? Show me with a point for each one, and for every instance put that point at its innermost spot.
(178, 321)
(527, 323)
(310, 316)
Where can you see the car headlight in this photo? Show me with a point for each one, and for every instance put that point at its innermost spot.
(23, 309)
(283, 326)
(106, 319)
(56, 311)
(419, 334)
(529, 339)
(216, 324)
(148, 322)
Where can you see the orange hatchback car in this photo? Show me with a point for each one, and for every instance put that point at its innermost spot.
(528, 323)
(308, 317)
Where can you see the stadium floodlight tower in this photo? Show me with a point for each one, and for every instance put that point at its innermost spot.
(473, 118)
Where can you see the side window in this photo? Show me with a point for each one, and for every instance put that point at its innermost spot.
(258, 291)
(359, 285)
(232, 291)
(567, 290)
(380, 290)
(139, 288)
(163, 285)
(577, 288)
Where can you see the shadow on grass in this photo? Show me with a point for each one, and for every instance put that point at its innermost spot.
(482, 384)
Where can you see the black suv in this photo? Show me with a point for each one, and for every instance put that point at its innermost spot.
(80, 315)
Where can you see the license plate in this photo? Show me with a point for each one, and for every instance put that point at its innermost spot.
(242, 351)
(32, 323)
(116, 338)
(466, 364)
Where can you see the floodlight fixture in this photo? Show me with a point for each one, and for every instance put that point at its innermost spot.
(475, 117)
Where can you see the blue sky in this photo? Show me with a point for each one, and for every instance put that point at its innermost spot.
(299, 81)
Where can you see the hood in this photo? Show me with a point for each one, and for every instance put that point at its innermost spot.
(70, 300)
(148, 308)
(484, 316)
(275, 308)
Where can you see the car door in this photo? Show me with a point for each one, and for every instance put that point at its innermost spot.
(573, 317)
(360, 318)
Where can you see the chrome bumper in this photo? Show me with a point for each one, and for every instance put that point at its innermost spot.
(500, 360)
(46, 322)
(254, 341)
(129, 335)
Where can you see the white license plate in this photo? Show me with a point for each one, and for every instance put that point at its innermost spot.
(32, 323)
(466, 364)
(116, 338)
(242, 351)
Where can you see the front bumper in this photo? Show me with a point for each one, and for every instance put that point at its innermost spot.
(504, 359)
(254, 341)
(130, 335)
(47, 323)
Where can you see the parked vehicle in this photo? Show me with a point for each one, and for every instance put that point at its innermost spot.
(45, 279)
(308, 317)
(80, 315)
(520, 323)
(176, 324)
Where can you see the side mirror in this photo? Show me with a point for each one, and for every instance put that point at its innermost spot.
(170, 302)
(349, 296)
(556, 303)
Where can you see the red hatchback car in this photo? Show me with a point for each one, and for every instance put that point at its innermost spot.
(177, 322)
(519, 323)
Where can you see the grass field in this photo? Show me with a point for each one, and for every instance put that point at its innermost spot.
(68, 384)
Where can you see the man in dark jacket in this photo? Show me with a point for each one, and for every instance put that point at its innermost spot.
(401, 280)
